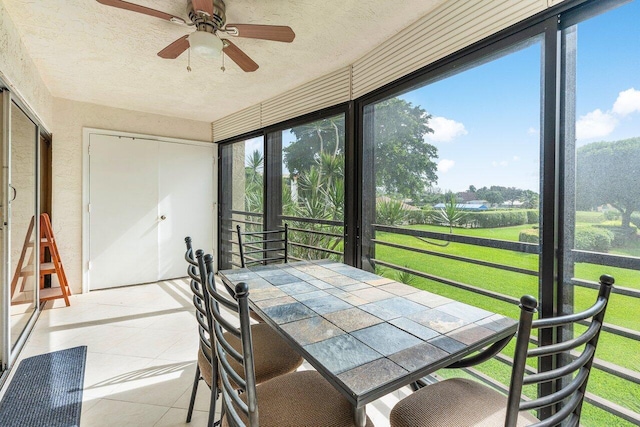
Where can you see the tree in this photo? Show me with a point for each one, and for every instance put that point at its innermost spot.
(313, 139)
(253, 170)
(404, 162)
(496, 194)
(607, 173)
(530, 199)
(451, 215)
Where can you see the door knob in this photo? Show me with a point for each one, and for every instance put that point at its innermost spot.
(163, 217)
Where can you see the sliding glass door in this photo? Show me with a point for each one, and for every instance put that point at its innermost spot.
(23, 220)
(19, 227)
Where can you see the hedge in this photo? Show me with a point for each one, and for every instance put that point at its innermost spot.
(501, 218)
(593, 239)
(530, 235)
(635, 219)
(621, 235)
(419, 217)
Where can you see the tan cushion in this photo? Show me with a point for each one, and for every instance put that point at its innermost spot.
(255, 316)
(302, 399)
(205, 367)
(272, 355)
(454, 402)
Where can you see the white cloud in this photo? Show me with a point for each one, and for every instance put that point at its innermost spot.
(595, 124)
(502, 163)
(628, 102)
(532, 131)
(445, 165)
(444, 130)
(516, 158)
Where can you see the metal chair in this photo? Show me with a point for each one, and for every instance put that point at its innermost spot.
(462, 402)
(205, 368)
(263, 247)
(295, 399)
(274, 356)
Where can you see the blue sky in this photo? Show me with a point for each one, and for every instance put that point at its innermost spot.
(487, 119)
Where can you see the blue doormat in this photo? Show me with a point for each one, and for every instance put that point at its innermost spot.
(46, 390)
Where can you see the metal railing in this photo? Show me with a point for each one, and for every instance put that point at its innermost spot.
(525, 248)
(306, 235)
(319, 231)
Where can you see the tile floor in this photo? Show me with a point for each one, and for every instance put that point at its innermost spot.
(142, 345)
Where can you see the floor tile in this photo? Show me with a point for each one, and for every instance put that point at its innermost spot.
(109, 413)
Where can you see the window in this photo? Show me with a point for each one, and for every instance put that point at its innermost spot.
(241, 194)
(458, 157)
(313, 196)
(601, 71)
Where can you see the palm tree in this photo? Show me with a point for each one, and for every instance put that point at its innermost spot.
(451, 214)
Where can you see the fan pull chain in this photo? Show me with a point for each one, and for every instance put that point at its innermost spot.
(189, 63)
(222, 68)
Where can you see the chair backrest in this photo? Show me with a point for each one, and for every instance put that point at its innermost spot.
(200, 300)
(237, 411)
(263, 247)
(571, 395)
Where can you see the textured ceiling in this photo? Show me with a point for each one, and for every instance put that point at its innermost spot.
(93, 53)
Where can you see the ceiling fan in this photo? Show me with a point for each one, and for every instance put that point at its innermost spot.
(208, 17)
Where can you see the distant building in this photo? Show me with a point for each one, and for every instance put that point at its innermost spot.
(465, 206)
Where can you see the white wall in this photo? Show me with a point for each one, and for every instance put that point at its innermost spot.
(69, 119)
(65, 119)
(20, 73)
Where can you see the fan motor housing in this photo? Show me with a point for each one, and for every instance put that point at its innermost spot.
(208, 23)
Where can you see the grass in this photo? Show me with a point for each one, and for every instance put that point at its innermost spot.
(621, 311)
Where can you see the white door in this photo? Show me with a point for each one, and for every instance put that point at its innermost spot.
(185, 203)
(123, 217)
(145, 197)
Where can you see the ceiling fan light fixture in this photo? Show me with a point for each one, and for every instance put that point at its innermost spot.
(205, 44)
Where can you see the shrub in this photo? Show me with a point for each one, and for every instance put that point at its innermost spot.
(390, 213)
(405, 277)
(621, 235)
(501, 218)
(612, 215)
(593, 239)
(533, 216)
(418, 217)
(529, 236)
(635, 219)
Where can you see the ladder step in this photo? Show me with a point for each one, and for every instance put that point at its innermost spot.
(50, 293)
(43, 242)
(45, 268)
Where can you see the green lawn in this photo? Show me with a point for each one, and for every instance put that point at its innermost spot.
(622, 310)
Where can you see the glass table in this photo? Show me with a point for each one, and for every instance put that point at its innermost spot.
(368, 335)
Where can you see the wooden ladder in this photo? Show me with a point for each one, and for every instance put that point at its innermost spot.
(47, 240)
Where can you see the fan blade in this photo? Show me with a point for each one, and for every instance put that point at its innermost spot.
(175, 49)
(205, 6)
(239, 57)
(141, 9)
(277, 33)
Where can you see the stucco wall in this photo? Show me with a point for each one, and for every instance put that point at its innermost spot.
(20, 72)
(69, 119)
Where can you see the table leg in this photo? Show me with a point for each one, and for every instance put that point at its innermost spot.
(360, 416)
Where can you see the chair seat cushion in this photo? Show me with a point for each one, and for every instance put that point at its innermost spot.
(454, 402)
(302, 399)
(272, 355)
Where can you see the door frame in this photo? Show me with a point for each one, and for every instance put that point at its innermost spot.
(86, 135)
